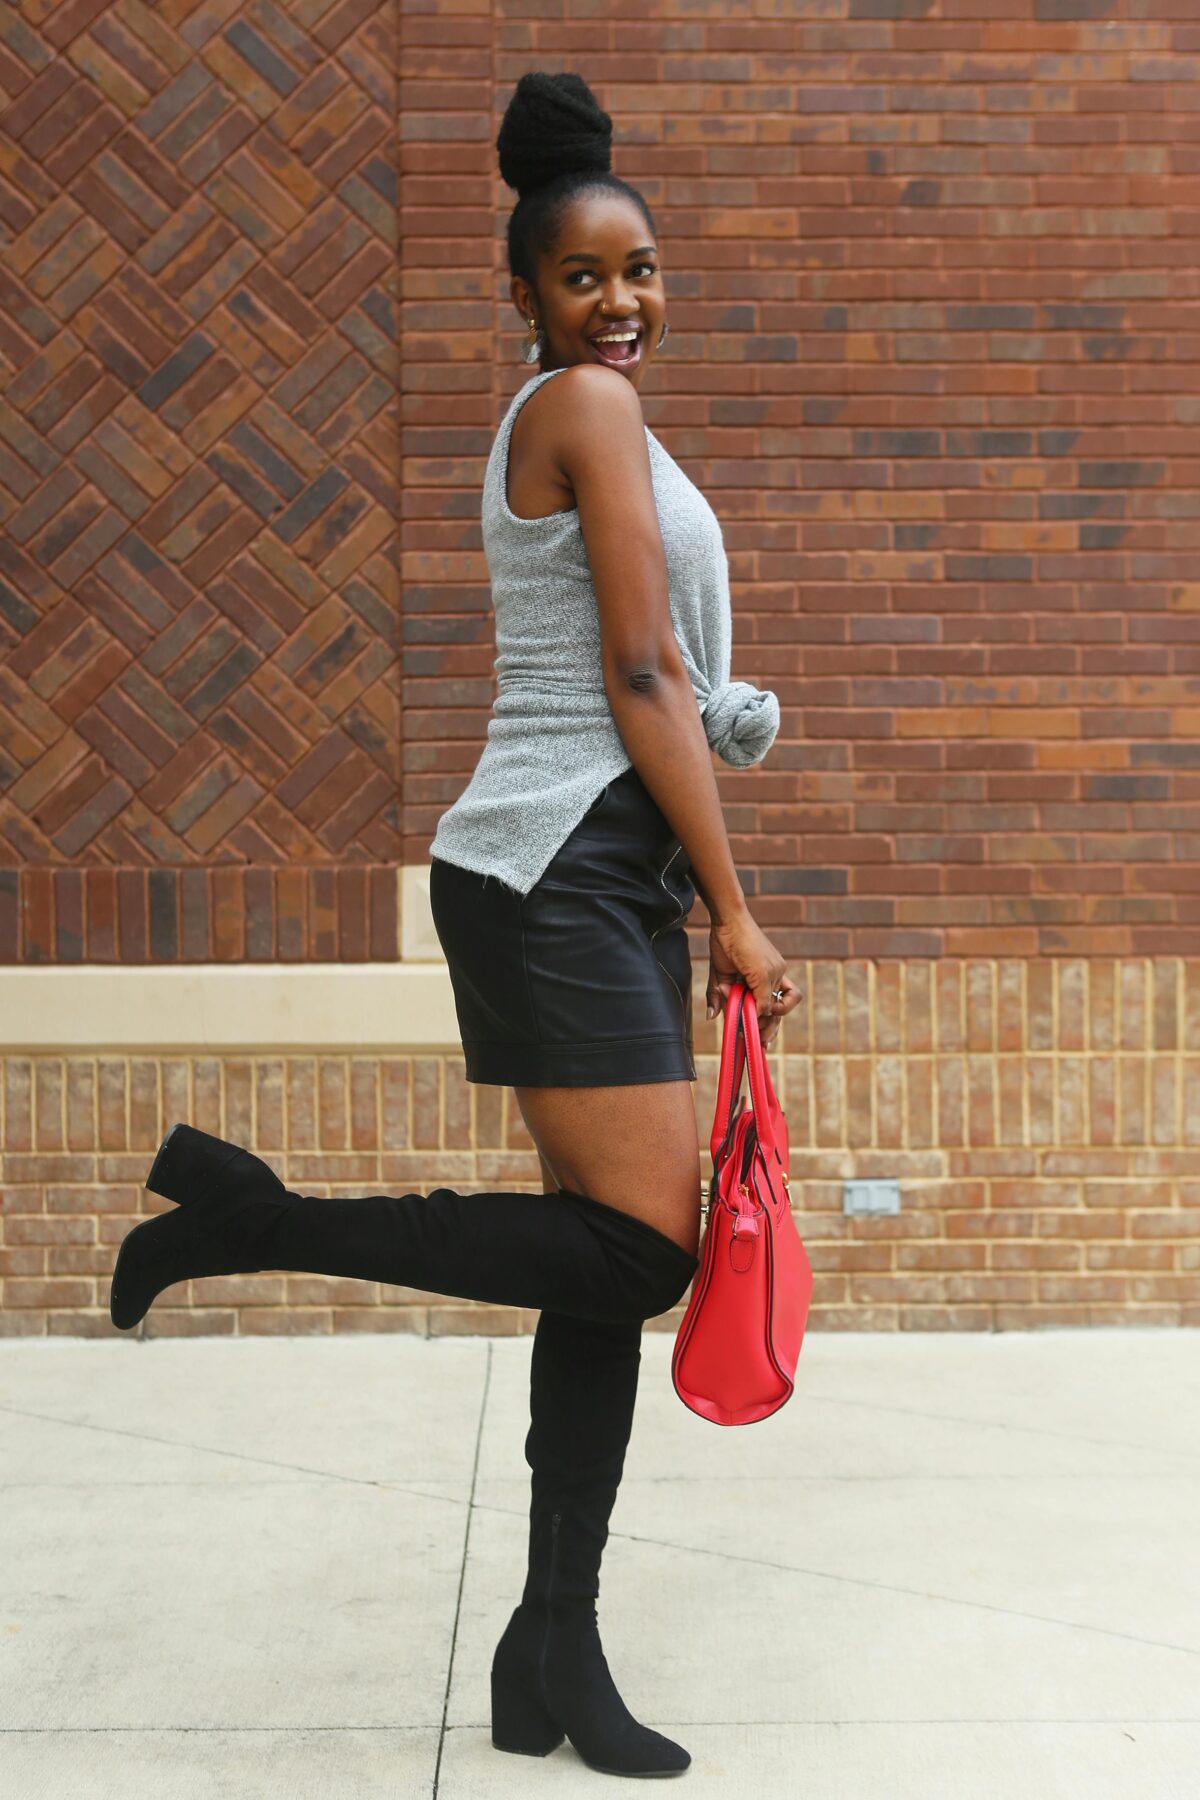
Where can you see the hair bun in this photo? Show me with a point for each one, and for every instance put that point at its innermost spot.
(552, 126)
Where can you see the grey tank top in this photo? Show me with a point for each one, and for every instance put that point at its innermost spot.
(552, 741)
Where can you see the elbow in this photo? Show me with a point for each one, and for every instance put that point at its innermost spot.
(644, 679)
(650, 675)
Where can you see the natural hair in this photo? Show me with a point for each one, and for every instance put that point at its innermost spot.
(555, 143)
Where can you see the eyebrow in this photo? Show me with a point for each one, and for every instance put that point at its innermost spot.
(587, 256)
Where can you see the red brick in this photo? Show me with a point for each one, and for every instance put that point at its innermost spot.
(228, 916)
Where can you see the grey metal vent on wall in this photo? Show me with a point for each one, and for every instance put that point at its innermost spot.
(871, 1196)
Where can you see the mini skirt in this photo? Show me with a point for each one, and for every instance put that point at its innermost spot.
(586, 981)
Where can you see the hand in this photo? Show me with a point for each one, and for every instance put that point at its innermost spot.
(740, 951)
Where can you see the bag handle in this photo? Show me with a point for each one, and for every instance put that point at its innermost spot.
(741, 1043)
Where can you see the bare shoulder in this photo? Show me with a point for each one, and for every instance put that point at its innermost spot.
(591, 394)
(597, 431)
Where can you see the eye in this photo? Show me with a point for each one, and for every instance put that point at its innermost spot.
(652, 267)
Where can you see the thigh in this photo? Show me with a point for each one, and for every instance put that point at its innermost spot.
(634, 1148)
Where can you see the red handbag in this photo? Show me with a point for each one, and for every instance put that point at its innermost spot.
(738, 1341)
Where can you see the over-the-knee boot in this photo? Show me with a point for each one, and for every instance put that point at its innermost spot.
(564, 1251)
(549, 1673)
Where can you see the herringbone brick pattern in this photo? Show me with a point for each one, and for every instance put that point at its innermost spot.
(199, 719)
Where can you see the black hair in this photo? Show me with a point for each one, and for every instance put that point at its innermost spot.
(555, 143)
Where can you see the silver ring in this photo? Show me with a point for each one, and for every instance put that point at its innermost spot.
(777, 993)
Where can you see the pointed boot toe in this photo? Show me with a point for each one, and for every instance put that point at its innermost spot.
(580, 1691)
(153, 1256)
(550, 1680)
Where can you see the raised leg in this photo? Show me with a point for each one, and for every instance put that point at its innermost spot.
(566, 1251)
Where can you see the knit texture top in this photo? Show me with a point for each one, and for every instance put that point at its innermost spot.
(552, 741)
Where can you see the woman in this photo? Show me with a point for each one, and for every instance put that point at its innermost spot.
(560, 883)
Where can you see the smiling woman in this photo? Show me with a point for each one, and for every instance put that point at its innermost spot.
(605, 274)
(560, 879)
(603, 302)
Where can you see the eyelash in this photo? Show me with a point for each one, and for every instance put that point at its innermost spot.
(653, 268)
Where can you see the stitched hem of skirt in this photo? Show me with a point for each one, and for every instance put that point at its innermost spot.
(618, 1062)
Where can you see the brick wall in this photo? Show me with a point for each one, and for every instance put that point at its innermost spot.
(199, 721)
(931, 284)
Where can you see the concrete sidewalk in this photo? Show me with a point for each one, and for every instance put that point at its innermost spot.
(952, 1568)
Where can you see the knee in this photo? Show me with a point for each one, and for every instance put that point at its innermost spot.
(647, 1272)
(665, 1275)
(674, 1284)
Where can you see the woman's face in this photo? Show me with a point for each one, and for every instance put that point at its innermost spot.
(602, 275)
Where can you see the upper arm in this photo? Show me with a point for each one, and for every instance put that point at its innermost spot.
(602, 451)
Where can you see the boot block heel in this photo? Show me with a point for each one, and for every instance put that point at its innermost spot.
(520, 1722)
(190, 1162)
(187, 1163)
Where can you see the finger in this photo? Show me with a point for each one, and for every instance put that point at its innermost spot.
(787, 996)
(767, 1003)
(769, 1022)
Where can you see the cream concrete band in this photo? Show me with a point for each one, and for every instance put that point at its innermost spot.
(267, 1007)
(378, 1007)
(392, 1007)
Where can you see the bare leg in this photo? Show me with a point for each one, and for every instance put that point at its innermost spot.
(635, 1148)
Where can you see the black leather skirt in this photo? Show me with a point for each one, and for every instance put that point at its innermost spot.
(586, 981)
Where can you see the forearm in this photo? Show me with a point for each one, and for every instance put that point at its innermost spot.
(661, 728)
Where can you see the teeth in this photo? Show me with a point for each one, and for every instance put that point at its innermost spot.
(615, 337)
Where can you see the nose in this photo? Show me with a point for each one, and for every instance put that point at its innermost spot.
(614, 314)
(610, 296)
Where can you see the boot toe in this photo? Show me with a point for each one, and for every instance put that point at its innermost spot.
(142, 1270)
(639, 1751)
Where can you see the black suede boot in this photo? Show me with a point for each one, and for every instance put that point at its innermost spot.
(564, 1251)
(550, 1677)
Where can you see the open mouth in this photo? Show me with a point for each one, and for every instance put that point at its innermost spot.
(622, 355)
